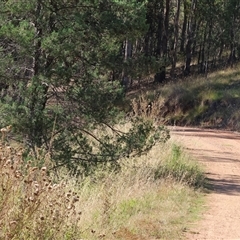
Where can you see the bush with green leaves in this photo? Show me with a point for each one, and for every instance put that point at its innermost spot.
(57, 56)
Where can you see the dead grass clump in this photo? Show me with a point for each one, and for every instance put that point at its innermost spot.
(31, 205)
(148, 107)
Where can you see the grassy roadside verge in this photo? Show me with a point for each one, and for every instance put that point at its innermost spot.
(211, 101)
(156, 196)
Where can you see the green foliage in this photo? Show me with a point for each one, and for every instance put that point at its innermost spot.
(181, 169)
(84, 151)
(57, 96)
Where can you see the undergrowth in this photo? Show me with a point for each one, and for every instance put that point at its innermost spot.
(148, 197)
(31, 205)
(211, 101)
(182, 169)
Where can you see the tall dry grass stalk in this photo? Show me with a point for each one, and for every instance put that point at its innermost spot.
(148, 108)
(31, 205)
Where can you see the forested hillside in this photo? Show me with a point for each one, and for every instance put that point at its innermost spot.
(66, 64)
(73, 165)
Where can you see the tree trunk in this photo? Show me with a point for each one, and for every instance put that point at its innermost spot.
(160, 30)
(219, 56)
(208, 49)
(199, 56)
(232, 55)
(184, 28)
(175, 43)
(127, 55)
(166, 26)
(195, 30)
(191, 29)
(38, 89)
(202, 64)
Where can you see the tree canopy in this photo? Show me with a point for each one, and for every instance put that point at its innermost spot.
(56, 58)
(65, 65)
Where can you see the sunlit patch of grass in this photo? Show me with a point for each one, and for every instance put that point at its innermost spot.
(180, 167)
(205, 101)
(211, 95)
(162, 213)
(148, 197)
(226, 73)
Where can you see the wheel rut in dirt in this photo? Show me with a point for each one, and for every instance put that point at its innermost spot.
(219, 152)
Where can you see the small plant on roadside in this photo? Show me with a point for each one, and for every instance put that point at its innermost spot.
(179, 167)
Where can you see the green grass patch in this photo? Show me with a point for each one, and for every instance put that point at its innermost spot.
(181, 168)
(162, 213)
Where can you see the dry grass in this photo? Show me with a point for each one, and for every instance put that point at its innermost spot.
(31, 205)
(146, 198)
(211, 101)
(138, 202)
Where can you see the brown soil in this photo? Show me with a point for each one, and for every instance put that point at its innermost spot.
(219, 152)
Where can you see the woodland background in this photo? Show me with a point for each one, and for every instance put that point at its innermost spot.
(66, 67)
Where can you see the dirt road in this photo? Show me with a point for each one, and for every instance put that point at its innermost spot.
(219, 152)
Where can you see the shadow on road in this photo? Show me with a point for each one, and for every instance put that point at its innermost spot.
(228, 186)
(218, 151)
(206, 133)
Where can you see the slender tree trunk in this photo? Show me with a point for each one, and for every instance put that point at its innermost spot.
(232, 55)
(233, 11)
(127, 55)
(199, 56)
(184, 28)
(191, 29)
(195, 41)
(39, 90)
(160, 30)
(162, 40)
(161, 74)
(208, 48)
(219, 56)
(36, 125)
(149, 32)
(166, 26)
(175, 43)
(202, 68)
